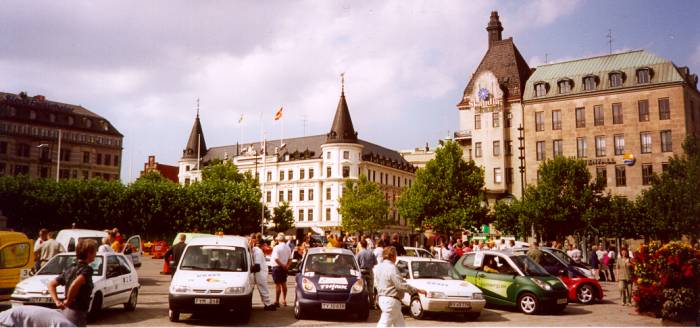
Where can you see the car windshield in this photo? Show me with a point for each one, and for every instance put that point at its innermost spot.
(61, 262)
(331, 264)
(562, 256)
(431, 270)
(215, 258)
(528, 266)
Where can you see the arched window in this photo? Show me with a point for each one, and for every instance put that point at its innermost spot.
(540, 89)
(565, 86)
(643, 75)
(590, 82)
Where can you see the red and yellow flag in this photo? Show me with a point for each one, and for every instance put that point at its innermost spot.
(278, 114)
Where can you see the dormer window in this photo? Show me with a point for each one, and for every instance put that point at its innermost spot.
(643, 75)
(590, 83)
(540, 89)
(87, 122)
(565, 86)
(616, 79)
(71, 120)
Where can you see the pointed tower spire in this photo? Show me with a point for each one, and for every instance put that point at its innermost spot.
(494, 28)
(195, 144)
(342, 130)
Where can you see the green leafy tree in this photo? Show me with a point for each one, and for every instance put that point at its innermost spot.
(363, 206)
(447, 194)
(509, 218)
(283, 218)
(671, 207)
(557, 205)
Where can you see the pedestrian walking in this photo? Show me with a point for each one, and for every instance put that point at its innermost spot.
(50, 248)
(390, 289)
(261, 276)
(624, 266)
(396, 243)
(366, 260)
(594, 263)
(41, 238)
(281, 259)
(611, 262)
(176, 252)
(535, 253)
(77, 280)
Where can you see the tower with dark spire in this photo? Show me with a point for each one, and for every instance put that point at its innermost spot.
(195, 143)
(494, 28)
(342, 130)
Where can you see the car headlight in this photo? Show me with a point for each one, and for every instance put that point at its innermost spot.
(478, 296)
(180, 289)
(541, 283)
(436, 295)
(308, 286)
(234, 290)
(357, 287)
(20, 291)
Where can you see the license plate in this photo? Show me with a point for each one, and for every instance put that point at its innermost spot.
(206, 301)
(40, 300)
(459, 305)
(561, 301)
(333, 306)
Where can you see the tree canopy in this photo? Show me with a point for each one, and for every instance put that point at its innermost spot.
(447, 194)
(363, 206)
(283, 218)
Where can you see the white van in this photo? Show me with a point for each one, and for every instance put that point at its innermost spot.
(69, 238)
(214, 275)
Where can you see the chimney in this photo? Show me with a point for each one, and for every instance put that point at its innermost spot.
(494, 28)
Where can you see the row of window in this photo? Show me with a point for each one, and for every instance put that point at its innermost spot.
(498, 175)
(592, 82)
(645, 142)
(304, 195)
(621, 174)
(495, 120)
(310, 214)
(66, 136)
(290, 174)
(384, 178)
(46, 172)
(508, 148)
(599, 114)
(86, 122)
(23, 150)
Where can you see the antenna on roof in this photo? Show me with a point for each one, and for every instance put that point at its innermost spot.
(546, 58)
(610, 40)
(304, 123)
(197, 106)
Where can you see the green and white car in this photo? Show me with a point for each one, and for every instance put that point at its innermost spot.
(513, 280)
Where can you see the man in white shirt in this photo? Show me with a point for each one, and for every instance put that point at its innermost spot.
(261, 276)
(281, 259)
(43, 236)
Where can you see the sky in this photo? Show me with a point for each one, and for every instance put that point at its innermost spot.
(143, 64)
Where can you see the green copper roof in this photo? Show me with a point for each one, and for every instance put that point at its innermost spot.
(663, 71)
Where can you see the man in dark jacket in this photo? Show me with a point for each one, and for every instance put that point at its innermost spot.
(176, 252)
(400, 251)
(594, 263)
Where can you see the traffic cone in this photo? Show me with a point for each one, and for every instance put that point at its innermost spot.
(166, 267)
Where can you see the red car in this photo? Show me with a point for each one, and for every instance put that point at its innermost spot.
(582, 288)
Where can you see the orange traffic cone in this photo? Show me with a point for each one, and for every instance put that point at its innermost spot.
(166, 267)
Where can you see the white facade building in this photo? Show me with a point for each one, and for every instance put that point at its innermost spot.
(309, 172)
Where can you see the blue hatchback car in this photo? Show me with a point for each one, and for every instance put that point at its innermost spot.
(329, 280)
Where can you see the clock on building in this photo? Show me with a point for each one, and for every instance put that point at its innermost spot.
(483, 94)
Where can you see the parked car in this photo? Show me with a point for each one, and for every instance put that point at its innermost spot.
(69, 238)
(16, 260)
(513, 280)
(582, 288)
(214, 276)
(444, 293)
(329, 280)
(114, 278)
(418, 252)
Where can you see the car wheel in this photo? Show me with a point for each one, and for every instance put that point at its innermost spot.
(585, 294)
(528, 303)
(416, 308)
(96, 306)
(133, 299)
(174, 316)
(471, 316)
(298, 314)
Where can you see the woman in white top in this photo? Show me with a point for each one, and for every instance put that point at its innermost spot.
(378, 251)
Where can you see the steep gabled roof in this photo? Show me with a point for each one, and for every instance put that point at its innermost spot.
(505, 61)
(195, 142)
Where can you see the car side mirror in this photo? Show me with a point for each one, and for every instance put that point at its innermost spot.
(255, 268)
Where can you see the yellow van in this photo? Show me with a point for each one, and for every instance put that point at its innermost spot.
(16, 260)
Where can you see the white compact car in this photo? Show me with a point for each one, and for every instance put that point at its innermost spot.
(214, 276)
(114, 277)
(443, 292)
(69, 238)
(418, 252)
